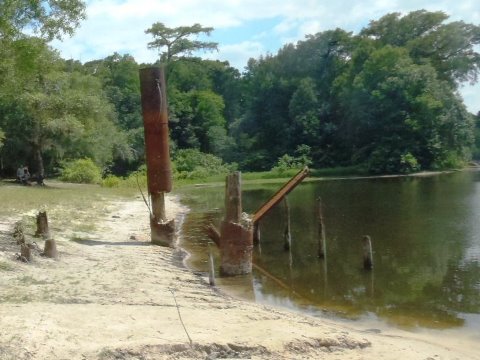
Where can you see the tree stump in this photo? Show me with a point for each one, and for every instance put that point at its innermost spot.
(50, 249)
(235, 238)
(163, 232)
(25, 252)
(42, 225)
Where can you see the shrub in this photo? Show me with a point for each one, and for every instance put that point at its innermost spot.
(81, 171)
(193, 164)
(111, 181)
(300, 160)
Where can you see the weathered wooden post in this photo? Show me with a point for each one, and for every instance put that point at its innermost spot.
(367, 253)
(211, 267)
(159, 173)
(256, 233)
(25, 252)
(50, 249)
(42, 225)
(322, 242)
(287, 236)
(235, 239)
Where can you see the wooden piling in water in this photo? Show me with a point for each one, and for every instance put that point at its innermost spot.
(256, 233)
(322, 241)
(367, 253)
(235, 238)
(287, 236)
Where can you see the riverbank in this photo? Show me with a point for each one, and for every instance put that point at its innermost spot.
(112, 295)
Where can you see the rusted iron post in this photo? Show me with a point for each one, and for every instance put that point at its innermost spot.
(159, 173)
(235, 238)
(287, 236)
(367, 253)
(322, 242)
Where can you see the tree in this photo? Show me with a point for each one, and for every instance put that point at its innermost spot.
(52, 114)
(402, 117)
(449, 48)
(49, 18)
(172, 42)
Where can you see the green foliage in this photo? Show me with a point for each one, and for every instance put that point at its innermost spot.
(299, 161)
(177, 41)
(111, 181)
(83, 171)
(193, 164)
(49, 18)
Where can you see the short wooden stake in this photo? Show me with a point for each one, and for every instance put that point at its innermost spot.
(25, 252)
(50, 249)
(256, 233)
(367, 253)
(211, 265)
(287, 236)
(42, 225)
(322, 241)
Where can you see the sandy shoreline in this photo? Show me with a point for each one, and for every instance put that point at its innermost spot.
(111, 295)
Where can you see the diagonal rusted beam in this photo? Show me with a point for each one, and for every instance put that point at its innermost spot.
(280, 194)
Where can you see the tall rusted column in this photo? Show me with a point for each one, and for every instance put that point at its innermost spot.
(159, 173)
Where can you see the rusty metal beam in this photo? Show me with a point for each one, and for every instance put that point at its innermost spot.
(155, 122)
(280, 194)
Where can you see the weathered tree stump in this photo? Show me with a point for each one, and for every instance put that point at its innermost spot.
(163, 232)
(50, 249)
(235, 238)
(18, 233)
(42, 225)
(322, 241)
(25, 252)
(367, 253)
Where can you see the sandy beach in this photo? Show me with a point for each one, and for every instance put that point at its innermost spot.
(113, 295)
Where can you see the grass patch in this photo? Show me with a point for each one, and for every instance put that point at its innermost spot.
(30, 280)
(6, 266)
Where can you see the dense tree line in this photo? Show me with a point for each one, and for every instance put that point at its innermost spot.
(385, 99)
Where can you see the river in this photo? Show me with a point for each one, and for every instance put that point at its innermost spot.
(426, 241)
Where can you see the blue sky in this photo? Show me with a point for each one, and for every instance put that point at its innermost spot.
(243, 28)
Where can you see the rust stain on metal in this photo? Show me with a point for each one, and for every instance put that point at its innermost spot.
(155, 122)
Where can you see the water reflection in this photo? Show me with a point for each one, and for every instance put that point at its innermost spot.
(426, 241)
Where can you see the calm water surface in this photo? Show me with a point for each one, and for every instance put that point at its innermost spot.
(426, 239)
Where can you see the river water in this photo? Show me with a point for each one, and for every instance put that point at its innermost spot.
(425, 233)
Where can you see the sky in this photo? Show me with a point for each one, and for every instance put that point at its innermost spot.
(244, 29)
